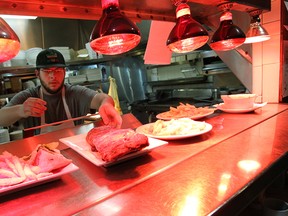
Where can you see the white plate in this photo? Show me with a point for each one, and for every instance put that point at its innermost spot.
(145, 128)
(229, 110)
(79, 144)
(194, 117)
(9, 189)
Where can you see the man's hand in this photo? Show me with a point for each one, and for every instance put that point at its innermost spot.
(110, 116)
(33, 107)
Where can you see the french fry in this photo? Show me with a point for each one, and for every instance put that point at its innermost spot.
(29, 173)
(41, 175)
(11, 181)
(18, 166)
(185, 110)
(11, 166)
(7, 173)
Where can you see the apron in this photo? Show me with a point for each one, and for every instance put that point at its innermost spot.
(60, 126)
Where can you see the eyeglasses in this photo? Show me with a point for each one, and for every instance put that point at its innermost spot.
(56, 70)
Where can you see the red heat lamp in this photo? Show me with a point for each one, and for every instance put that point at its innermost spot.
(228, 36)
(9, 42)
(256, 32)
(187, 35)
(114, 33)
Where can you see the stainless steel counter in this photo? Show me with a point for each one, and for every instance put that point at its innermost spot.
(203, 172)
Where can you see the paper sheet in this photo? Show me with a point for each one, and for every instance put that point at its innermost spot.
(156, 51)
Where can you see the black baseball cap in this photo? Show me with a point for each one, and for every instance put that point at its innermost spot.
(50, 58)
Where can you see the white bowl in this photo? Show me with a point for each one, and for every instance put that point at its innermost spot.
(239, 101)
(31, 55)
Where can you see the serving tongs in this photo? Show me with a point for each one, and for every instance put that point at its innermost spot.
(88, 116)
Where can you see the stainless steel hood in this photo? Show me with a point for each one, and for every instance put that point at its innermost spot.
(136, 10)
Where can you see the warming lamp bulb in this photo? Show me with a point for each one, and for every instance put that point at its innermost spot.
(228, 36)
(9, 42)
(114, 33)
(256, 32)
(187, 35)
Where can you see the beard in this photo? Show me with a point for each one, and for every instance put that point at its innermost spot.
(49, 90)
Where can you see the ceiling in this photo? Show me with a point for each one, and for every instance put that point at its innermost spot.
(135, 9)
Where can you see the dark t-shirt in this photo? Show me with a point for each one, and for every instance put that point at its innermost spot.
(78, 99)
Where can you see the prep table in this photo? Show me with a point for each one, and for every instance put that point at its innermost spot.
(201, 175)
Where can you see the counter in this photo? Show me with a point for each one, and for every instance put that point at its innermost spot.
(202, 174)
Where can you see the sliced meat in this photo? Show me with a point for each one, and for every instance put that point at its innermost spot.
(115, 143)
(47, 159)
(95, 133)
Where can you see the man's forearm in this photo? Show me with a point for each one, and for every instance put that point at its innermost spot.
(9, 115)
(100, 99)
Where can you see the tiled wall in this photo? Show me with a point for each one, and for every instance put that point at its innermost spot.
(266, 57)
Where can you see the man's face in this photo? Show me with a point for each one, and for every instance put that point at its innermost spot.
(52, 79)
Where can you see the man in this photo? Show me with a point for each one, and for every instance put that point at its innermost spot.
(55, 101)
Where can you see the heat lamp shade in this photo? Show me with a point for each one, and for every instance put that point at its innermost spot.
(256, 33)
(186, 36)
(9, 42)
(228, 36)
(114, 33)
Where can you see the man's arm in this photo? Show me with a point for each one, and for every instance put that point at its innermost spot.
(99, 99)
(31, 107)
(10, 115)
(105, 105)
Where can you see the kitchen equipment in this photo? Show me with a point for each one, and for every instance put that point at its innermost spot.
(187, 35)
(256, 32)
(31, 55)
(275, 207)
(114, 33)
(9, 42)
(16, 135)
(19, 59)
(65, 51)
(60, 122)
(228, 36)
(130, 76)
(4, 136)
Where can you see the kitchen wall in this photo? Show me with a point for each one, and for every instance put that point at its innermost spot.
(48, 32)
(266, 68)
(267, 65)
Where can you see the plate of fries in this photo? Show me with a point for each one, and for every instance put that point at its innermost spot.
(174, 129)
(186, 111)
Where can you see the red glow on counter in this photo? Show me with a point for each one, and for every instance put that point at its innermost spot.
(248, 165)
(190, 207)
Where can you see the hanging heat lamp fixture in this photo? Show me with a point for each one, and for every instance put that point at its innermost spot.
(114, 33)
(228, 36)
(256, 32)
(9, 42)
(187, 35)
